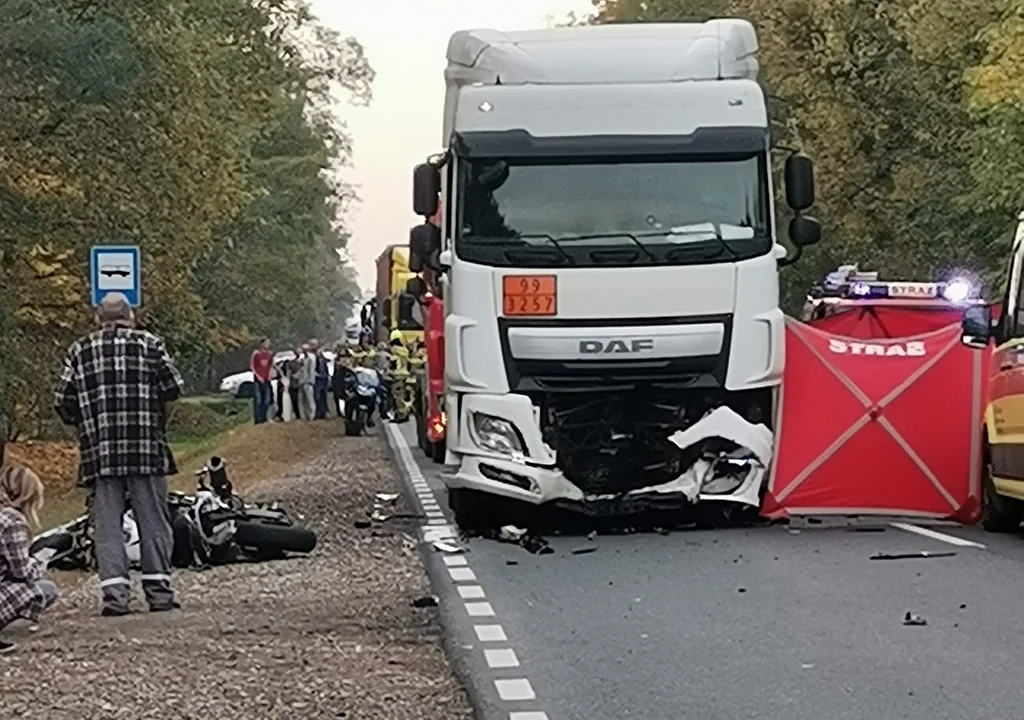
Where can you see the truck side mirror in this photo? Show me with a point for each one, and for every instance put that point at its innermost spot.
(424, 244)
(804, 231)
(799, 174)
(426, 186)
(976, 327)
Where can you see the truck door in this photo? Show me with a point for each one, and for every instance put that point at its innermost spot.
(1006, 383)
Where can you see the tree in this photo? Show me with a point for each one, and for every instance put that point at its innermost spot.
(883, 96)
(200, 130)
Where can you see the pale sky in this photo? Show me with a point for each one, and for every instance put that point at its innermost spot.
(405, 41)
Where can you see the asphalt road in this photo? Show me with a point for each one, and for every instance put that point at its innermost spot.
(762, 623)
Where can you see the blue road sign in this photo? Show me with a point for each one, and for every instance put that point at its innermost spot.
(116, 268)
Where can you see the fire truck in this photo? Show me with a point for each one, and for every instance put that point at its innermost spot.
(431, 418)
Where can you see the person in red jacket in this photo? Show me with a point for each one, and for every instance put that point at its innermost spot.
(262, 365)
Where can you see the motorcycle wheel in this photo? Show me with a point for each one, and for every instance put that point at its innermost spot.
(268, 540)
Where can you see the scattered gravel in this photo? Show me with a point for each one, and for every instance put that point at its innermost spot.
(334, 635)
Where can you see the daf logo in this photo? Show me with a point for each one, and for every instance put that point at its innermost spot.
(615, 347)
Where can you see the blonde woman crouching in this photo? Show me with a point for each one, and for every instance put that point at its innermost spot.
(24, 591)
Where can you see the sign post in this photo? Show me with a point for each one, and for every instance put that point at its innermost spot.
(116, 268)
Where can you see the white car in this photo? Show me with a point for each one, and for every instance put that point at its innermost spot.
(241, 384)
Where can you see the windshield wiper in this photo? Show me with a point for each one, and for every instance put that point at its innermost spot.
(519, 242)
(697, 231)
(554, 244)
(631, 236)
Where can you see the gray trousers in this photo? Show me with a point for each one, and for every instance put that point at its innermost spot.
(308, 400)
(149, 506)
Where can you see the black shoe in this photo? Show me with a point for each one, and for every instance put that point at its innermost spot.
(165, 608)
(115, 612)
(6, 647)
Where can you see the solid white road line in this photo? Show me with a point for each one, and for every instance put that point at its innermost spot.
(935, 535)
(515, 689)
(501, 658)
(490, 633)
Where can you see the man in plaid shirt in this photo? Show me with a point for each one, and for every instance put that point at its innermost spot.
(114, 389)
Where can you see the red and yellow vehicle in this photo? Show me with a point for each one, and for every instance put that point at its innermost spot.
(431, 418)
(998, 330)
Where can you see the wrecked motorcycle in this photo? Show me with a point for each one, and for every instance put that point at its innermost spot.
(214, 526)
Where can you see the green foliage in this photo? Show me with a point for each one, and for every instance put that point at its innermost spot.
(201, 130)
(913, 111)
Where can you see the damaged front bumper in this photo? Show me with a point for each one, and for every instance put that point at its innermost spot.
(501, 452)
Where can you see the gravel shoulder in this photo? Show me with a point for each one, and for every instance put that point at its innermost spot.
(329, 636)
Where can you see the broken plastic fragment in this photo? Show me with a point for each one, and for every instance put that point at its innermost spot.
(914, 620)
(725, 423)
(378, 516)
(447, 547)
(510, 533)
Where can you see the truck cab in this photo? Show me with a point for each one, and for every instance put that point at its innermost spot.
(608, 257)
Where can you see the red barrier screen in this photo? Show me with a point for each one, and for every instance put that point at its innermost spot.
(878, 426)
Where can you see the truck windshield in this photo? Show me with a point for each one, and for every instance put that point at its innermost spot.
(676, 210)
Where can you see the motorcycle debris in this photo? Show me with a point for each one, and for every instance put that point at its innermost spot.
(592, 535)
(446, 547)
(510, 533)
(408, 542)
(425, 601)
(910, 619)
(537, 545)
(584, 550)
(911, 555)
(380, 517)
(388, 498)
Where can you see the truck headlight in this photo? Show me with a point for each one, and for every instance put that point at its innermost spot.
(494, 434)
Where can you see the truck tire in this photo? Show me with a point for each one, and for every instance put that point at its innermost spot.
(438, 450)
(998, 514)
(473, 510)
(270, 540)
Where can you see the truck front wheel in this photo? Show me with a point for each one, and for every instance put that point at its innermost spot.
(476, 511)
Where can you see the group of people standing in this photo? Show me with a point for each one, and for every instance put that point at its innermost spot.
(303, 381)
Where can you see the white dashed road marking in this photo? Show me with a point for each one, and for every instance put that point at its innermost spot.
(436, 527)
(513, 690)
(490, 633)
(936, 535)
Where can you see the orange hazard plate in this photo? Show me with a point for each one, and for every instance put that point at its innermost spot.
(529, 295)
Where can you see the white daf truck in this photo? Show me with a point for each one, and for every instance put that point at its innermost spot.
(609, 266)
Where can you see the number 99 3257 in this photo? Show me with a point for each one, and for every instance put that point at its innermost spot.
(529, 295)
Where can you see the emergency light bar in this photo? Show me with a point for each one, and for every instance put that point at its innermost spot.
(848, 282)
